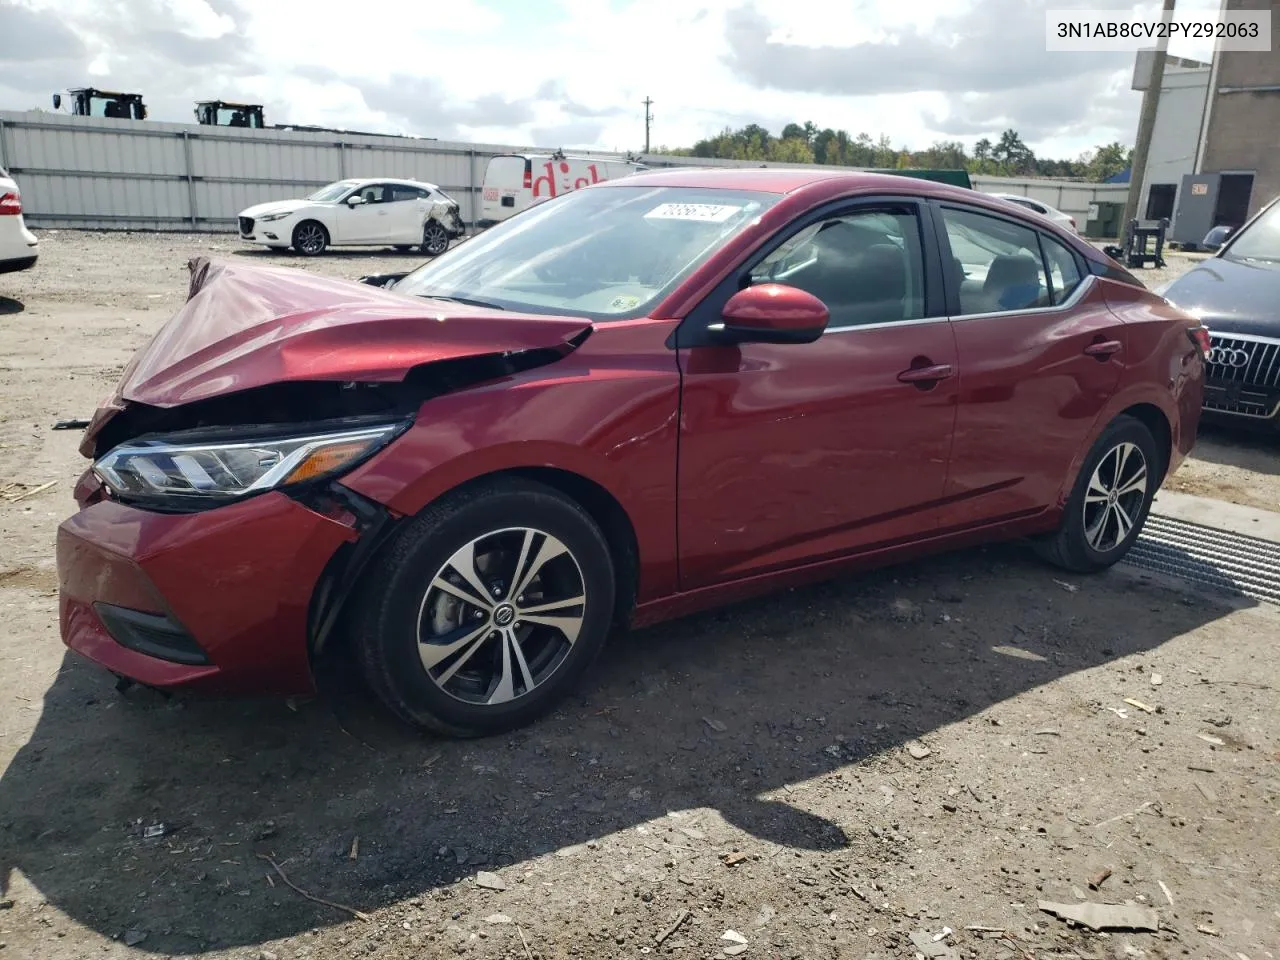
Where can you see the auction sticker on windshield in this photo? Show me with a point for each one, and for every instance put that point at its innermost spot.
(704, 212)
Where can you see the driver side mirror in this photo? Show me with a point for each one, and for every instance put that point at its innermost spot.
(355, 200)
(1215, 238)
(772, 313)
(384, 280)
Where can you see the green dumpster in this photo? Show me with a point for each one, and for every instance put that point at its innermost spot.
(1104, 219)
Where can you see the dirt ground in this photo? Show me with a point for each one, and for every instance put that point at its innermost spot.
(900, 764)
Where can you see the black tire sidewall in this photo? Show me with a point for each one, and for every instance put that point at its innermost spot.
(310, 253)
(426, 244)
(1122, 430)
(425, 549)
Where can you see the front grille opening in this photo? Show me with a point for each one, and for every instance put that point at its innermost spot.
(1254, 363)
(152, 634)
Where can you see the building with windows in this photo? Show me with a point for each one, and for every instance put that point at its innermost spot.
(1213, 157)
(1179, 121)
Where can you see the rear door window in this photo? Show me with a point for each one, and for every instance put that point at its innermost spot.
(995, 266)
(1065, 275)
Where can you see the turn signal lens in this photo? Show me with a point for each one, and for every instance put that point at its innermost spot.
(327, 460)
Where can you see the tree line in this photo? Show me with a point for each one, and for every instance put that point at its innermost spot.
(806, 143)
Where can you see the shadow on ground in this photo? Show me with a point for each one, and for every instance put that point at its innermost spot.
(9, 306)
(712, 711)
(1256, 450)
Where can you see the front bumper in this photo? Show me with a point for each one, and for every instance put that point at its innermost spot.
(216, 601)
(273, 233)
(1226, 400)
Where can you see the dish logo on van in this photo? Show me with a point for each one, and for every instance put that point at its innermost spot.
(545, 185)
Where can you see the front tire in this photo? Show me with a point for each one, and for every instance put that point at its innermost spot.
(486, 609)
(310, 238)
(435, 238)
(1110, 500)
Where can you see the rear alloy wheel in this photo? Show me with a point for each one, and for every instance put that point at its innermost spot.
(487, 609)
(1110, 501)
(435, 239)
(310, 238)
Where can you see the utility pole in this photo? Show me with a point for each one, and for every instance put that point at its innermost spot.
(1147, 121)
(648, 119)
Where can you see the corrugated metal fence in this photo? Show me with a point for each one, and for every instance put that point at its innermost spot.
(142, 175)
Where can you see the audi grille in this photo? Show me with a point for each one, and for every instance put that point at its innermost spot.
(1242, 375)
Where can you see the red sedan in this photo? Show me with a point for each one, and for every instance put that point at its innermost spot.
(641, 399)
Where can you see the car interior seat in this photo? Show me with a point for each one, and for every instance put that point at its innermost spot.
(1012, 283)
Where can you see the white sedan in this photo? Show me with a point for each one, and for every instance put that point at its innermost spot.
(1057, 216)
(19, 247)
(363, 213)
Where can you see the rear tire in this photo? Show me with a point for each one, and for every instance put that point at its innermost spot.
(1109, 502)
(435, 238)
(486, 609)
(310, 238)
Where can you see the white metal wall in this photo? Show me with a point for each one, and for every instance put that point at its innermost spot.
(1179, 117)
(137, 174)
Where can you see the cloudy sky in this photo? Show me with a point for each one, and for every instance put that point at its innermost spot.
(573, 73)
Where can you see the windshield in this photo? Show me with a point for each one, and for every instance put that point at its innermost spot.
(1260, 241)
(608, 253)
(332, 192)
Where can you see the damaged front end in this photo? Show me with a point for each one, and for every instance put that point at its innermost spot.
(264, 346)
(271, 382)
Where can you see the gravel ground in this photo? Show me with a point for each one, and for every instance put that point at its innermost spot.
(850, 770)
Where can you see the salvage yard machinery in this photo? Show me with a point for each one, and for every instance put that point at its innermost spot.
(221, 113)
(91, 102)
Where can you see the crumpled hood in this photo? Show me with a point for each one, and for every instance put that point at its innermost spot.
(274, 206)
(1231, 296)
(246, 326)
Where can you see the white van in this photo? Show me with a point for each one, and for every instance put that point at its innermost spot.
(516, 181)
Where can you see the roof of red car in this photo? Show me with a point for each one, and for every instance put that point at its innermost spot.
(783, 180)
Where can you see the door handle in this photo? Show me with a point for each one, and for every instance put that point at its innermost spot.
(1103, 349)
(931, 374)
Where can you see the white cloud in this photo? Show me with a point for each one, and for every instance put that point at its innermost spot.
(197, 19)
(473, 68)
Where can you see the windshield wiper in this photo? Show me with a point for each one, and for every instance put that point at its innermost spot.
(466, 300)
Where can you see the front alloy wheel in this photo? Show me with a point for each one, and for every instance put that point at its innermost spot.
(501, 615)
(310, 238)
(486, 609)
(435, 239)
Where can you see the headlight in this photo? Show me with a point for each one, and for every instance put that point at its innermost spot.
(213, 471)
(269, 217)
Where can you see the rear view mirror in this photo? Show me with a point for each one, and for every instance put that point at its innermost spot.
(57, 101)
(772, 313)
(355, 200)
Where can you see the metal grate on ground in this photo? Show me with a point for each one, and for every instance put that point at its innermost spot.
(1246, 566)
